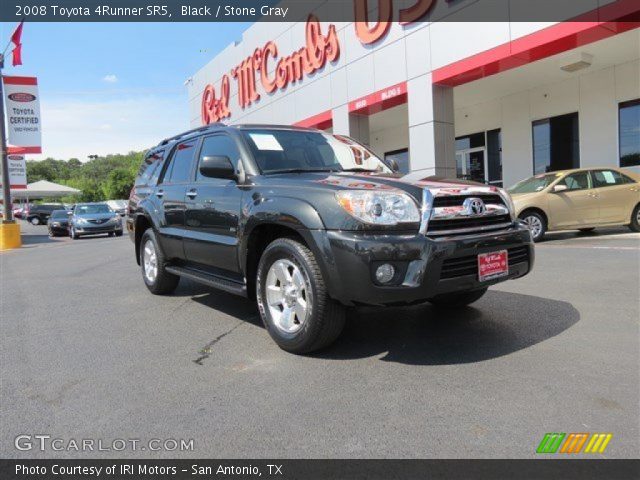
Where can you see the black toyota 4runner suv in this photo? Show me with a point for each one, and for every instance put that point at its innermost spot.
(308, 223)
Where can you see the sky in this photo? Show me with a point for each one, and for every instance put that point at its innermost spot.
(113, 87)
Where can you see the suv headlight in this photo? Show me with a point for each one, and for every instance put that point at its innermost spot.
(379, 207)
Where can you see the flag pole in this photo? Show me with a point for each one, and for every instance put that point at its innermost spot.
(6, 185)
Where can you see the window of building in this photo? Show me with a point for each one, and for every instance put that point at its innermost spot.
(401, 157)
(556, 144)
(629, 125)
(217, 145)
(479, 157)
(179, 170)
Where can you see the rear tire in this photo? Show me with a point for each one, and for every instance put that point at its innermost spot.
(293, 301)
(536, 223)
(152, 265)
(458, 299)
(635, 219)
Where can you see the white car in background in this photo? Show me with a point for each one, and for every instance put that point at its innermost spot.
(119, 206)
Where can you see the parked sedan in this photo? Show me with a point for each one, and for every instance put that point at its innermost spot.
(58, 223)
(580, 199)
(94, 218)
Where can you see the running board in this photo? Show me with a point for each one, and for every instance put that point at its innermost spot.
(209, 280)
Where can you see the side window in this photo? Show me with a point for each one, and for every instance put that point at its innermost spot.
(217, 145)
(576, 181)
(179, 169)
(150, 168)
(608, 178)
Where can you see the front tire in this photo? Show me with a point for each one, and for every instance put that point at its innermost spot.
(35, 221)
(536, 223)
(73, 234)
(635, 219)
(152, 264)
(458, 299)
(293, 301)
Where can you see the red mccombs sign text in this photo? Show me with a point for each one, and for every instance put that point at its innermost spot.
(319, 49)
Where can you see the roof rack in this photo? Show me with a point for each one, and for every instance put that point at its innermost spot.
(193, 130)
(269, 125)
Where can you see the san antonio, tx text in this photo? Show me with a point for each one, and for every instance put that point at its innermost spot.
(142, 469)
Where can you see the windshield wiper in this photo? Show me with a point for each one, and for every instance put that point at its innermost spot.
(299, 170)
(357, 169)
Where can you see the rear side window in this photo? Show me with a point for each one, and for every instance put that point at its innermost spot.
(150, 168)
(608, 178)
(179, 170)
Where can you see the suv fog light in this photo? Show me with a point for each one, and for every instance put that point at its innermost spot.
(385, 273)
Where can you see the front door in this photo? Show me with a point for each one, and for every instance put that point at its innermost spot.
(213, 207)
(171, 194)
(470, 164)
(575, 207)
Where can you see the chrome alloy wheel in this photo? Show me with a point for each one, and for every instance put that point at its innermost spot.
(287, 295)
(534, 224)
(638, 216)
(150, 261)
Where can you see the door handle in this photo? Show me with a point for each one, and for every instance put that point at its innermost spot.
(160, 193)
(192, 193)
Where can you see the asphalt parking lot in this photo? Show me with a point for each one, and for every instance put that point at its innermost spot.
(88, 352)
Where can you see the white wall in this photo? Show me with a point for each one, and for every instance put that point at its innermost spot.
(594, 95)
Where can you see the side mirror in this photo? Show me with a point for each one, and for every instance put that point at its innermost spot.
(559, 188)
(217, 166)
(393, 165)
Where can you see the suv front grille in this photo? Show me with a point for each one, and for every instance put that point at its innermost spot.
(457, 200)
(462, 266)
(468, 225)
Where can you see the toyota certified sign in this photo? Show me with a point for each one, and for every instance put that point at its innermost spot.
(23, 114)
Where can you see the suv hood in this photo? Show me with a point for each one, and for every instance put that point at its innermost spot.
(413, 183)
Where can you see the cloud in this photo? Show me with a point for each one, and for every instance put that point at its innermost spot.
(78, 128)
(111, 78)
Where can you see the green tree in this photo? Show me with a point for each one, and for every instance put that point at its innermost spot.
(119, 183)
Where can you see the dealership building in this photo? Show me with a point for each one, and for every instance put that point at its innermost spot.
(494, 102)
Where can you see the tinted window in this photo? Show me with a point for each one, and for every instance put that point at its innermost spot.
(576, 181)
(150, 168)
(608, 178)
(217, 145)
(556, 144)
(91, 208)
(630, 133)
(180, 168)
(59, 214)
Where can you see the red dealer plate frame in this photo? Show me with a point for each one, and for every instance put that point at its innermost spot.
(493, 265)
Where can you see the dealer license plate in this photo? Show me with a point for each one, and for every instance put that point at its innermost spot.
(493, 265)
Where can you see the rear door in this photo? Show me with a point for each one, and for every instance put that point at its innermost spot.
(213, 210)
(575, 207)
(617, 195)
(171, 191)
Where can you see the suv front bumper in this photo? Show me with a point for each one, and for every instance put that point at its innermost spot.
(425, 267)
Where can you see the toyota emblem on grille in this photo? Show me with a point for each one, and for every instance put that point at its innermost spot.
(474, 206)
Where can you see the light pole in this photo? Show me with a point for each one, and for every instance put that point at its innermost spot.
(6, 185)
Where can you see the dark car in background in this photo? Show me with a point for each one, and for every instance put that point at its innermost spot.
(39, 214)
(58, 223)
(93, 219)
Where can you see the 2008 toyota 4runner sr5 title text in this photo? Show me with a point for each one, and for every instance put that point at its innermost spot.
(308, 223)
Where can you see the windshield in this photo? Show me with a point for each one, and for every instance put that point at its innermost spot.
(295, 150)
(534, 184)
(59, 214)
(94, 208)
